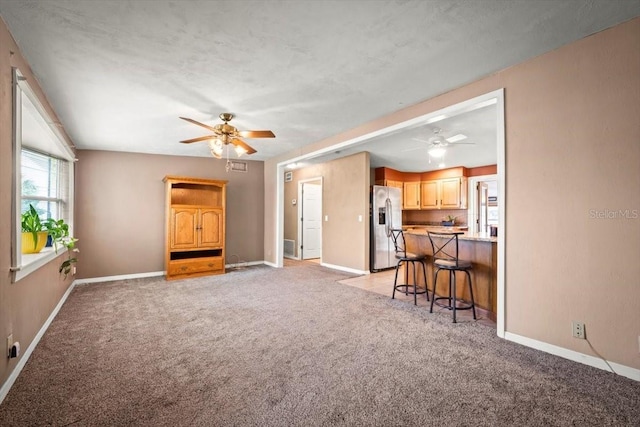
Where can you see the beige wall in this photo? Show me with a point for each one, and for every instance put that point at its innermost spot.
(120, 209)
(345, 192)
(572, 151)
(25, 305)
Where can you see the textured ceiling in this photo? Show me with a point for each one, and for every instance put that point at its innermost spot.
(119, 73)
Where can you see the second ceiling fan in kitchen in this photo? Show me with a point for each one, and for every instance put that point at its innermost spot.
(436, 144)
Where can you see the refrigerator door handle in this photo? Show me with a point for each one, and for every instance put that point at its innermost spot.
(388, 217)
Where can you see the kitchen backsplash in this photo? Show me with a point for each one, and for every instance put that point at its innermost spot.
(433, 216)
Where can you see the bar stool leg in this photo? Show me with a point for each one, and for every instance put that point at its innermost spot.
(395, 281)
(435, 283)
(415, 281)
(450, 283)
(426, 284)
(406, 278)
(473, 301)
(453, 273)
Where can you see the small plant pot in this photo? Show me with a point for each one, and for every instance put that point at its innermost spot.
(29, 246)
(448, 223)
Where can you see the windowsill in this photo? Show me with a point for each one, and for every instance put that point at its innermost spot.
(32, 262)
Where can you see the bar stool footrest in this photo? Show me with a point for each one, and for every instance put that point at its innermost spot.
(464, 306)
(408, 289)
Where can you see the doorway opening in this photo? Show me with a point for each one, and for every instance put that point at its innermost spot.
(495, 97)
(483, 212)
(310, 219)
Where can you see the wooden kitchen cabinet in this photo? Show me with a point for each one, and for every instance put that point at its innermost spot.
(395, 184)
(411, 195)
(195, 211)
(429, 195)
(450, 193)
(453, 193)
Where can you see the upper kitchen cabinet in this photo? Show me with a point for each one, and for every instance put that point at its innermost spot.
(429, 194)
(411, 195)
(450, 193)
(453, 193)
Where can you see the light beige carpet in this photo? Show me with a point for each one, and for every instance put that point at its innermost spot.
(291, 347)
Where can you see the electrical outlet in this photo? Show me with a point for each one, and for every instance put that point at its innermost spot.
(9, 345)
(579, 330)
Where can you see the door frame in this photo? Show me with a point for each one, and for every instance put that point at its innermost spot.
(300, 203)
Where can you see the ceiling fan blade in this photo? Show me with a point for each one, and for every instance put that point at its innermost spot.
(202, 138)
(199, 124)
(421, 140)
(256, 134)
(241, 143)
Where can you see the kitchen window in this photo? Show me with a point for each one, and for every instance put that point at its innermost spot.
(43, 174)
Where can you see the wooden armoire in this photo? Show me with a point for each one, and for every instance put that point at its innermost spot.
(195, 227)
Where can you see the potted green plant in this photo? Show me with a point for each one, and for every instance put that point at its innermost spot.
(34, 233)
(449, 221)
(67, 264)
(59, 232)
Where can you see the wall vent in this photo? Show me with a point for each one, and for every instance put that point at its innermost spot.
(237, 166)
(289, 248)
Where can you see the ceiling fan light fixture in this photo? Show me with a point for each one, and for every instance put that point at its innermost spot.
(216, 148)
(240, 150)
(437, 152)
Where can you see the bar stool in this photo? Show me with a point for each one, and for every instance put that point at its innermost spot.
(407, 258)
(445, 257)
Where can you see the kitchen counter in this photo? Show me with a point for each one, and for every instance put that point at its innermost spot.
(479, 248)
(422, 230)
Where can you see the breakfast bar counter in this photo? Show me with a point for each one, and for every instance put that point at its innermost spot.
(479, 248)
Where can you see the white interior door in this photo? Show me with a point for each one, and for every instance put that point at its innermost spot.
(311, 221)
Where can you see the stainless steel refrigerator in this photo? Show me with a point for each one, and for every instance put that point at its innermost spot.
(386, 213)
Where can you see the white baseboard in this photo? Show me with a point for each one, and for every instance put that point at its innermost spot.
(346, 269)
(4, 390)
(625, 371)
(271, 264)
(119, 277)
(150, 274)
(244, 264)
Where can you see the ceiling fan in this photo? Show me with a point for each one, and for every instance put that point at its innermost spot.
(225, 134)
(437, 143)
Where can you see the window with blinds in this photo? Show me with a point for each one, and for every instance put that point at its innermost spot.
(45, 184)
